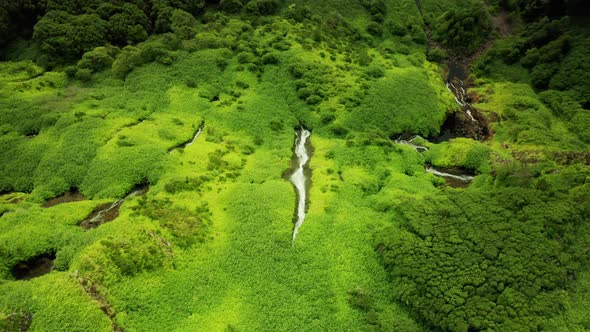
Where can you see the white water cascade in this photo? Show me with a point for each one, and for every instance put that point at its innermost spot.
(298, 178)
(98, 219)
(459, 93)
(464, 178)
(197, 134)
(410, 142)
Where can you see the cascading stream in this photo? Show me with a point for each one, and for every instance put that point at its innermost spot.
(410, 142)
(464, 178)
(459, 93)
(298, 178)
(197, 134)
(192, 141)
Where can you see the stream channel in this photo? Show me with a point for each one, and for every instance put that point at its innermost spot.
(301, 177)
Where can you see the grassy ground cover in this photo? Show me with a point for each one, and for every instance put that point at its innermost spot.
(209, 246)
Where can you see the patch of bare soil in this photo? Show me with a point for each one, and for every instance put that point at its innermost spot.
(70, 196)
(34, 267)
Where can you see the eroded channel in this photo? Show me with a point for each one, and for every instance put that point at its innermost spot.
(454, 176)
(109, 211)
(300, 177)
(191, 141)
(34, 267)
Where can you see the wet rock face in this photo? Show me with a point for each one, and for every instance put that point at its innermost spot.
(460, 125)
(34, 267)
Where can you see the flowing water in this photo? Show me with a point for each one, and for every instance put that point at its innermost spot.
(189, 143)
(457, 180)
(298, 178)
(410, 142)
(458, 90)
(197, 134)
(109, 211)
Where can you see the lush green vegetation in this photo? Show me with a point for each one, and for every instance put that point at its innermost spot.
(101, 97)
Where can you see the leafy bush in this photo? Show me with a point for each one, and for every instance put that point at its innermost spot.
(65, 37)
(375, 29)
(129, 58)
(182, 23)
(463, 29)
(84, 75)
(262, 7)
(96, 60)
(436, 55)
(271, 58)
(500, 270)
(231, 6)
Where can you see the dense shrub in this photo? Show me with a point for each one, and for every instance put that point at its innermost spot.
(96, 60)
(375, 29)
(231, 6)
(262, 7)
(298, 12)
(129, 58)
(84, 74)
(465, 28)
(482, 260)
(67, 37)
(182, 23)
(270, 58)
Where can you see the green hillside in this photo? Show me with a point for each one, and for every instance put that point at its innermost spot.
(146, 149)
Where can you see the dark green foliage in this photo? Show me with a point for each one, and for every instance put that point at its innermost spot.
(271, 58)
(129, 58)
(96, 60)
(541, 74)
(246, 57)
(465, 28)
(482, 260)
(84, 74)
(17, 19)
(186, 226)
(231, 6)
(182, 23)
(262, 7)
(375, 71)
(143, 251)
(126, 23)
(298, 12)
(545, 30)
(156, 51)
(375, 29)
(67, 37)
(436, 55)
(187, 184)
(573, 73)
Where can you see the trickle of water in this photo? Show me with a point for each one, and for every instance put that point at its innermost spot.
(464, 178)
(197, 134)
(298, 177)
(460, 98)
(410, 142)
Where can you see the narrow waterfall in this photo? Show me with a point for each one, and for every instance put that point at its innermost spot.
(464, 178)
(197, 134)
(410, 142)
(108, 212)
(460, 94)
(190, 142)
(298, 177)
